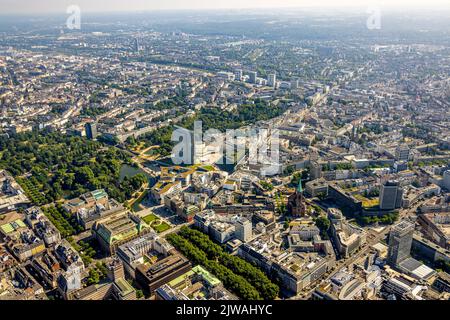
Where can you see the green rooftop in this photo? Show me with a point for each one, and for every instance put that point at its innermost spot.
(124, 286)
(98, 194)
(181, 278)
(12, 226)
(7, 228)
(20, 223)
(208, 277)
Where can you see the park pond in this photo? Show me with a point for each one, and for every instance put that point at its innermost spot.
(130, 171)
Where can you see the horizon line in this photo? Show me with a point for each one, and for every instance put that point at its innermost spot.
(316, 7)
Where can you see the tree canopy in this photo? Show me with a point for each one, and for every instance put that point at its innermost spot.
(54, 166)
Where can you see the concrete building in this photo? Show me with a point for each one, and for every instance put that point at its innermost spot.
(317, 187)
(442, 282)
(196, 284)
(87, 201)
(12, 195)
(253, 75)
(118, 229)
(243, 230)
(151, 277)
(429, 250)
(435, 227)
(115, 287)
(42, 226)
(135, 252)
(399, 254)
(315, 170)
(272, 80)
(221, 231)
(348, 238)
(294, 270)
(391, 195)
(69, 280)
(403, 287)
(238, 74)
(344, 199)
(402, 153)
(400, 241)
(91, 130)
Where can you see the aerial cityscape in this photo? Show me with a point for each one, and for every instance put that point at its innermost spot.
(225, 154)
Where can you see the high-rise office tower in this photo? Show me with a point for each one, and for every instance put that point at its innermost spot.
(400, 241)
(272, 80)
(402, 153)
(91, 130)
(391, 195)
(243, 230)
(315, 170)
(238, 74)
(252, 76)
(294, 84)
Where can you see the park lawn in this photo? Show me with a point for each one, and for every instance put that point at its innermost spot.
(371, 203)
(368, 203)
(150, 218)
(161, 227)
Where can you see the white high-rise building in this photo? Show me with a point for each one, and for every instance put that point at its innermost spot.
(243, 230)
(272, 80)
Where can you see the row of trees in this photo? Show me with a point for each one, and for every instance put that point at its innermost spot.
(30, 186)
(233, 282)
(255, 276)
(63, 221)
(385, 219)
(338, 166)
(68, 226)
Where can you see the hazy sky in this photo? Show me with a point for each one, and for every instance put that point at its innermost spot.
(43, 6)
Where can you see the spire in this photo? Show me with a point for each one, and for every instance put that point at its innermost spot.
(300, 187)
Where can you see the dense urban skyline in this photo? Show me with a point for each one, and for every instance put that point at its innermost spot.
(252, 155)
